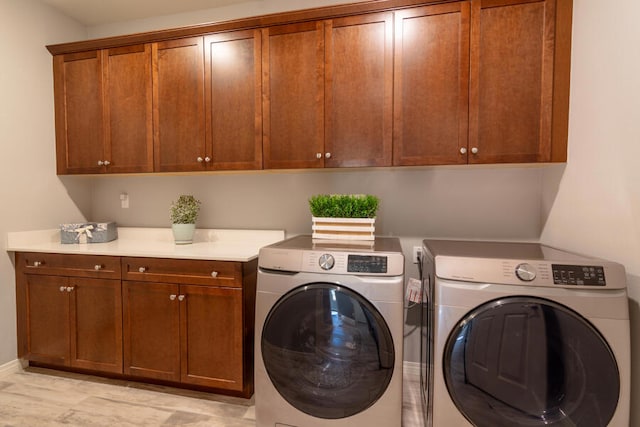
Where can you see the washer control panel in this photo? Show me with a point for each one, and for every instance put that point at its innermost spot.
(367, 264)
(581, 275)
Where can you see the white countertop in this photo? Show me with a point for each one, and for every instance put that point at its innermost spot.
(209, 244)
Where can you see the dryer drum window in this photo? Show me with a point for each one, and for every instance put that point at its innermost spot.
(527, 361)
(327, 350)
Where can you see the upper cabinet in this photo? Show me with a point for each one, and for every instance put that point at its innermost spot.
(103, 111)
(385, 83)
(431, 85)
(512, 81)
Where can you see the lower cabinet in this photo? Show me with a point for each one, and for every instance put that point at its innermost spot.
(187, 322)
(186, 333)
(73, 322)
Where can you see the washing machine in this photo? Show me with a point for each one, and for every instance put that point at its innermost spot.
(329, 333)
(522, 334)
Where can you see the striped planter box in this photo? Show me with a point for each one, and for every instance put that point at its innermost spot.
(343, 228)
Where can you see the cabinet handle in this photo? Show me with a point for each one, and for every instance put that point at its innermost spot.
(180, 297)
(463, 150)
(327, 155)
(318, 155)
(214, 274)
(172, 297)
(200, 159)
(474, 150)
(207, 159)
(106, 162)
(97, 267)
(69, 288)
(63, 288)
(37, 263)
(100, 163)
(142, 269)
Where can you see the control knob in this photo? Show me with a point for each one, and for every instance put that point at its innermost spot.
(525, 272)
(326, 261)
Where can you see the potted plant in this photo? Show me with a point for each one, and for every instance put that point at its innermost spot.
(344, 216)
(184, 213)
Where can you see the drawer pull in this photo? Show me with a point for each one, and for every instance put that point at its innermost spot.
(63, 288)
(97, 267)
(214, 274)
(37, 263)
(172, 297)
(69, 288)
(142, 269)
(180, 297)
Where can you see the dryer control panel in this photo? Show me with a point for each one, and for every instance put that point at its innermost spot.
(587, 275)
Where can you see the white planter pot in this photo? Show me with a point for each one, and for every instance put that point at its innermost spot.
(183, 233)
(343, 228)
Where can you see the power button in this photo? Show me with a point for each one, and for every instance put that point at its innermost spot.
(326, 261)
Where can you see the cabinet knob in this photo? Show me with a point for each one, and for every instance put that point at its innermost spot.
(474, 150)
(318, 155)
(100, 163)
(180, 297)
(97, 267)
(142, 269)
(63, 288)
(207, 159)
(463, 150)
(214, 274)
(327, 155)
(37, 263)
(172, 297)
(106, 162)
(69, 288)
(200, 159)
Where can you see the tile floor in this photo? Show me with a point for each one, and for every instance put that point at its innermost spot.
(46, 398)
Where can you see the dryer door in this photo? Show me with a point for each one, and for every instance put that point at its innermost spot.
(527, 361)
(327, 350)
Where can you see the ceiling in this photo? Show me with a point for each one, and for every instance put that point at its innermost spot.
(97, 12)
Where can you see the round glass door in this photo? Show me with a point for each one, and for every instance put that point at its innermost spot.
(526, 361)
(327, 350)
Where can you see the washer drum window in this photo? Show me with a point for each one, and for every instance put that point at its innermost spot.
(327, 350)
(526, 361)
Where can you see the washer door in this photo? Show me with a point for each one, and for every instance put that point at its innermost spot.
(526, 361)
(327, 350)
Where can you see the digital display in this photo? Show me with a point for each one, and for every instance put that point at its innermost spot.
(579, 275)
(366, 264)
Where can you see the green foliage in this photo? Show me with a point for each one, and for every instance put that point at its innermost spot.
(344, 205)
(185, 210)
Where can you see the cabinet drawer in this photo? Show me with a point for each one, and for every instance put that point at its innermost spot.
(196, 272)
(105, 267)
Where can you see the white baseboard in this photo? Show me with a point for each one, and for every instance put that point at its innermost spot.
(11, 368)
(411, 369)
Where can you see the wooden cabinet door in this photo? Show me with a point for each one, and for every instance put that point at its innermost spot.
(128, 112)
(79, 112)
(431, 85)
(178, 105)
(233, 82)
(96, 324)
(511, 92)
(359, 90)
(151, 315)
(47, 319)
(212, 337)
(293, 90)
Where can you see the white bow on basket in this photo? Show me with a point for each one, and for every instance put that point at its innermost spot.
(84, 230)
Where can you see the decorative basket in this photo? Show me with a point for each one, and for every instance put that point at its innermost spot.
(343, 228)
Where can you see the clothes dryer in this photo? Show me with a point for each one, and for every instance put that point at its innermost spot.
(523, 334)
(329, 333)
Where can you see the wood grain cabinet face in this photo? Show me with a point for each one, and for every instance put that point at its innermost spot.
(178, 105)
(358, 91)
(233, 82)
(70, 321)
(512, 80)
(431, 82)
